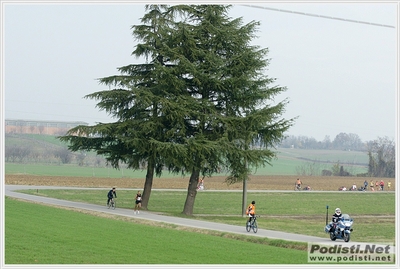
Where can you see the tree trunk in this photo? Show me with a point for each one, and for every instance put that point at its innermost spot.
(191, 194)
(148, 184)
(244, 197)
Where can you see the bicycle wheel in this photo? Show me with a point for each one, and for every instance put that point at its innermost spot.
(248, 226)
(113, 205)
(109, 204)
(254, 226)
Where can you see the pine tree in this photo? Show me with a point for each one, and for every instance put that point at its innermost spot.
(224, 75)
(200, 103)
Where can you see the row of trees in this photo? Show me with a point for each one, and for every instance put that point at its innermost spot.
(342, 141)
(381, 162)
(381, 153)
(199, 101)
(58, 155)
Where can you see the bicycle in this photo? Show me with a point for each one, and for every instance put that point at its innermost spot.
(112, 204)
(297, 187)
(252, 225)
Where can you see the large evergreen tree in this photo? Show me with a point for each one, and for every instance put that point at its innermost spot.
(225, 74)
(202, 100)
(140, 98)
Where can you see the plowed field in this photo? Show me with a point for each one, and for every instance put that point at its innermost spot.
(213, 183)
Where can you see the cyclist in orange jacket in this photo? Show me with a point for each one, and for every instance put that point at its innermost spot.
(251, 210)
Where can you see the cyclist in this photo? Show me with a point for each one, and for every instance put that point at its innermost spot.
(251, 210)
(298, 184)
(111, 194)
(138, 203)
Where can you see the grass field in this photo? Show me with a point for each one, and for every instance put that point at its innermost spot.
(72, 171)
(57, 236)
(281, 166)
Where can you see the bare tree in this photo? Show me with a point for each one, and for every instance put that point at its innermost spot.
(63, 154)
(81, 158)
(381, 153)
(309, 169)
(16, 153)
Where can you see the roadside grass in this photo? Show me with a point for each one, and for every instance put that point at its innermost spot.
(39, 234)
(294, 212)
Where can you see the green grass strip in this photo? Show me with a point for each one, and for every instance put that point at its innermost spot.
(37, 234)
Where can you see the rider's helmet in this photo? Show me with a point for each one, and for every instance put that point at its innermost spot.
(253, 203)
(337, 211)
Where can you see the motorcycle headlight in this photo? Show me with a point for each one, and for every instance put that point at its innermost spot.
(348, 224)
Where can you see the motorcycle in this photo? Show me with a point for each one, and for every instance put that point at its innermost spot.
(341, 230)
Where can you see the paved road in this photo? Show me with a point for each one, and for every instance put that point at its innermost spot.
(10, 190)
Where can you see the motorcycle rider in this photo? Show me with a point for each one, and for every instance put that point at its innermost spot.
(335, 218)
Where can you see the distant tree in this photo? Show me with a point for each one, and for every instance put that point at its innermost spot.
(81, 158)
(303, 142)
(63, 154)
(326, 143)
(41, 129)
(35, 155)
(16, 153)
(346, 141)
(326, 172)
(10, 153)
(381, 153)
(355, 142)
(289, 141)
(98, 161)
(338, 170)
(309, 169)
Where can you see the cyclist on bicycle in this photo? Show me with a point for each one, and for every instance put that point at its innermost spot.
(251, 210)
(111, 194)
(298, 184)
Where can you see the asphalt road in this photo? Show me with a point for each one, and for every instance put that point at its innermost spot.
(10, 190)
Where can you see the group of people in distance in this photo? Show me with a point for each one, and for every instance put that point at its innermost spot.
(380, 186)
(377, 186)
(138, 199)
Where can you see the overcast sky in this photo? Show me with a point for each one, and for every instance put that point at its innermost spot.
(341, 75)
